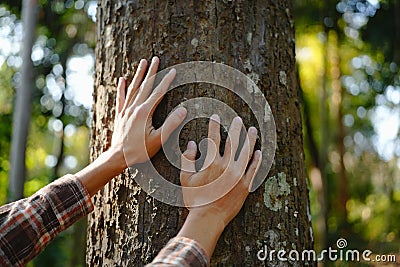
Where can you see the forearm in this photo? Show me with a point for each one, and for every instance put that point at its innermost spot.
(205, 228)
(97, 174)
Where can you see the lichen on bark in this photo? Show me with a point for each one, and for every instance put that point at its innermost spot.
(276, 189)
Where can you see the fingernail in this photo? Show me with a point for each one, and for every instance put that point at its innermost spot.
(191, 145)
(238, 119)
(253, 130)
(154, 59)
(258, 153)
(142, 61)
(173, 70)
(215, 118)
(181, 111)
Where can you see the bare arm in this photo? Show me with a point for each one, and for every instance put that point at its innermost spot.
(28, 225)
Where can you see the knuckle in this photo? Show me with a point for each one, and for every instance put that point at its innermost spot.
(229, 170)
(228, 143)
(243, 184)
(220, 169)
(185, 155)
(183, 179)
(157, 93)
(183, 159)
(215, 167)
(143, 109)
(224, 164)
(218, 163)
(214, 135)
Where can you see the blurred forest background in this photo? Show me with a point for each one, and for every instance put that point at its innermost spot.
(348, 56)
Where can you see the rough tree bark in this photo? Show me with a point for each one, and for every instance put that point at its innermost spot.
(128, 227)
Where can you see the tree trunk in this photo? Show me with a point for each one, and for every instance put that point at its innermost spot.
(337, 104)
(23, 103)
(128, 227)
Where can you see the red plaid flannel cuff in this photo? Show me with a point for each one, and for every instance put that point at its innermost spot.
(28, 225)
(181, 251)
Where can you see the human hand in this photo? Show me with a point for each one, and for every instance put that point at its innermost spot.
(134, 138)
(134, 134)
(215, 194)
(222, 185)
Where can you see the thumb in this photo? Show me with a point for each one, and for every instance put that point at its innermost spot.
(188, 160)
(171, 123)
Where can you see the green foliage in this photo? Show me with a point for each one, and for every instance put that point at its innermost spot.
(351, 45)
(58, 137)
(6, 93)
(353, 38)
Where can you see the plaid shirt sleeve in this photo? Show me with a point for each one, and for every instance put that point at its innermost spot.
(182, 252)
(28, 225)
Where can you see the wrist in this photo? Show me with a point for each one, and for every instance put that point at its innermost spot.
(97, 174)
(208, 216)
(204, 227)
(114, 159)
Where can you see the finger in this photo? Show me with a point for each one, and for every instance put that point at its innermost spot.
(147, 85)
(155, 62)
(120, 95)
(232, 141)
(248, 148)
(159, 92)
(188, 160)
(136, 81)
(213, 140)
(170, 124)
(252, 170)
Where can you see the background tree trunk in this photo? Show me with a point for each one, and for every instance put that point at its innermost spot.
(23, 104)
(128, 227)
